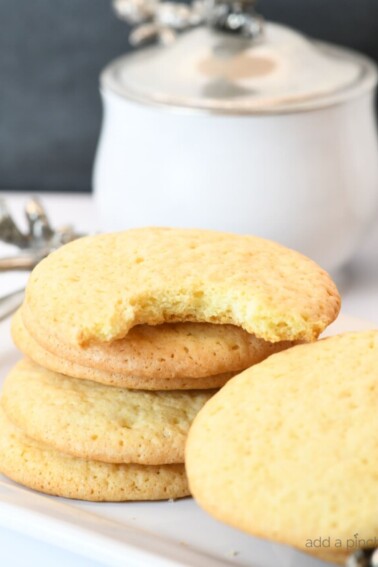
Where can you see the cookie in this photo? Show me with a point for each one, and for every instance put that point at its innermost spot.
(165, 357)
(97, 288)
(287, 450)
(37, 466)
(97, 422)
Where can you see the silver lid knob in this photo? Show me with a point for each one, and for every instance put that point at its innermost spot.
(236, 16)
(164, 19)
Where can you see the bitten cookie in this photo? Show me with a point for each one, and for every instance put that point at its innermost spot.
(288, 449)
(97, 288)
(97, 422)
(166, 357)
(37, 466)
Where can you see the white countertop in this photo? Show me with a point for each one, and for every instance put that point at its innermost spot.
(358, 285)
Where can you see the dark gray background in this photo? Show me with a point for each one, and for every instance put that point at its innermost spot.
(51, 53)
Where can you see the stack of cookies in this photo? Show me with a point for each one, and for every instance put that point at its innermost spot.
(127, 335)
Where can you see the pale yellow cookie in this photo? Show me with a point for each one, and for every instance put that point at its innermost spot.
(288, 449)
(97, 288)
(37, 466)
(97, 422)
(166, 357)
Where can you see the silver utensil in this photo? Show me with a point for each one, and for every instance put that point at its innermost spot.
(35, 244)
(10, 303)
(21, 261)
(40, 230)
(40, 235)
(9, 232)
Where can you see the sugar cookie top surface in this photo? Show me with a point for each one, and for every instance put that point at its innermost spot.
(288, 449)
(97, 288)
(99, 422)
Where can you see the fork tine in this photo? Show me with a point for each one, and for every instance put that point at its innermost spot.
(21, 261)
(10, 303)
(39, 226)
(9, 231)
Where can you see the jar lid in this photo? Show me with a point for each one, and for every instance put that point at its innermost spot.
(211, 70)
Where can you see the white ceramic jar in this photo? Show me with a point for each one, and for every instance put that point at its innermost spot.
(275, 138)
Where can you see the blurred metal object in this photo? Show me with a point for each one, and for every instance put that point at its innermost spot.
(162, 20)
(35, 244)
(9, 232)
(10, 303)
(39, 226)
(40, 236)
(363, 558)
(21, 262)
(237, 17)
